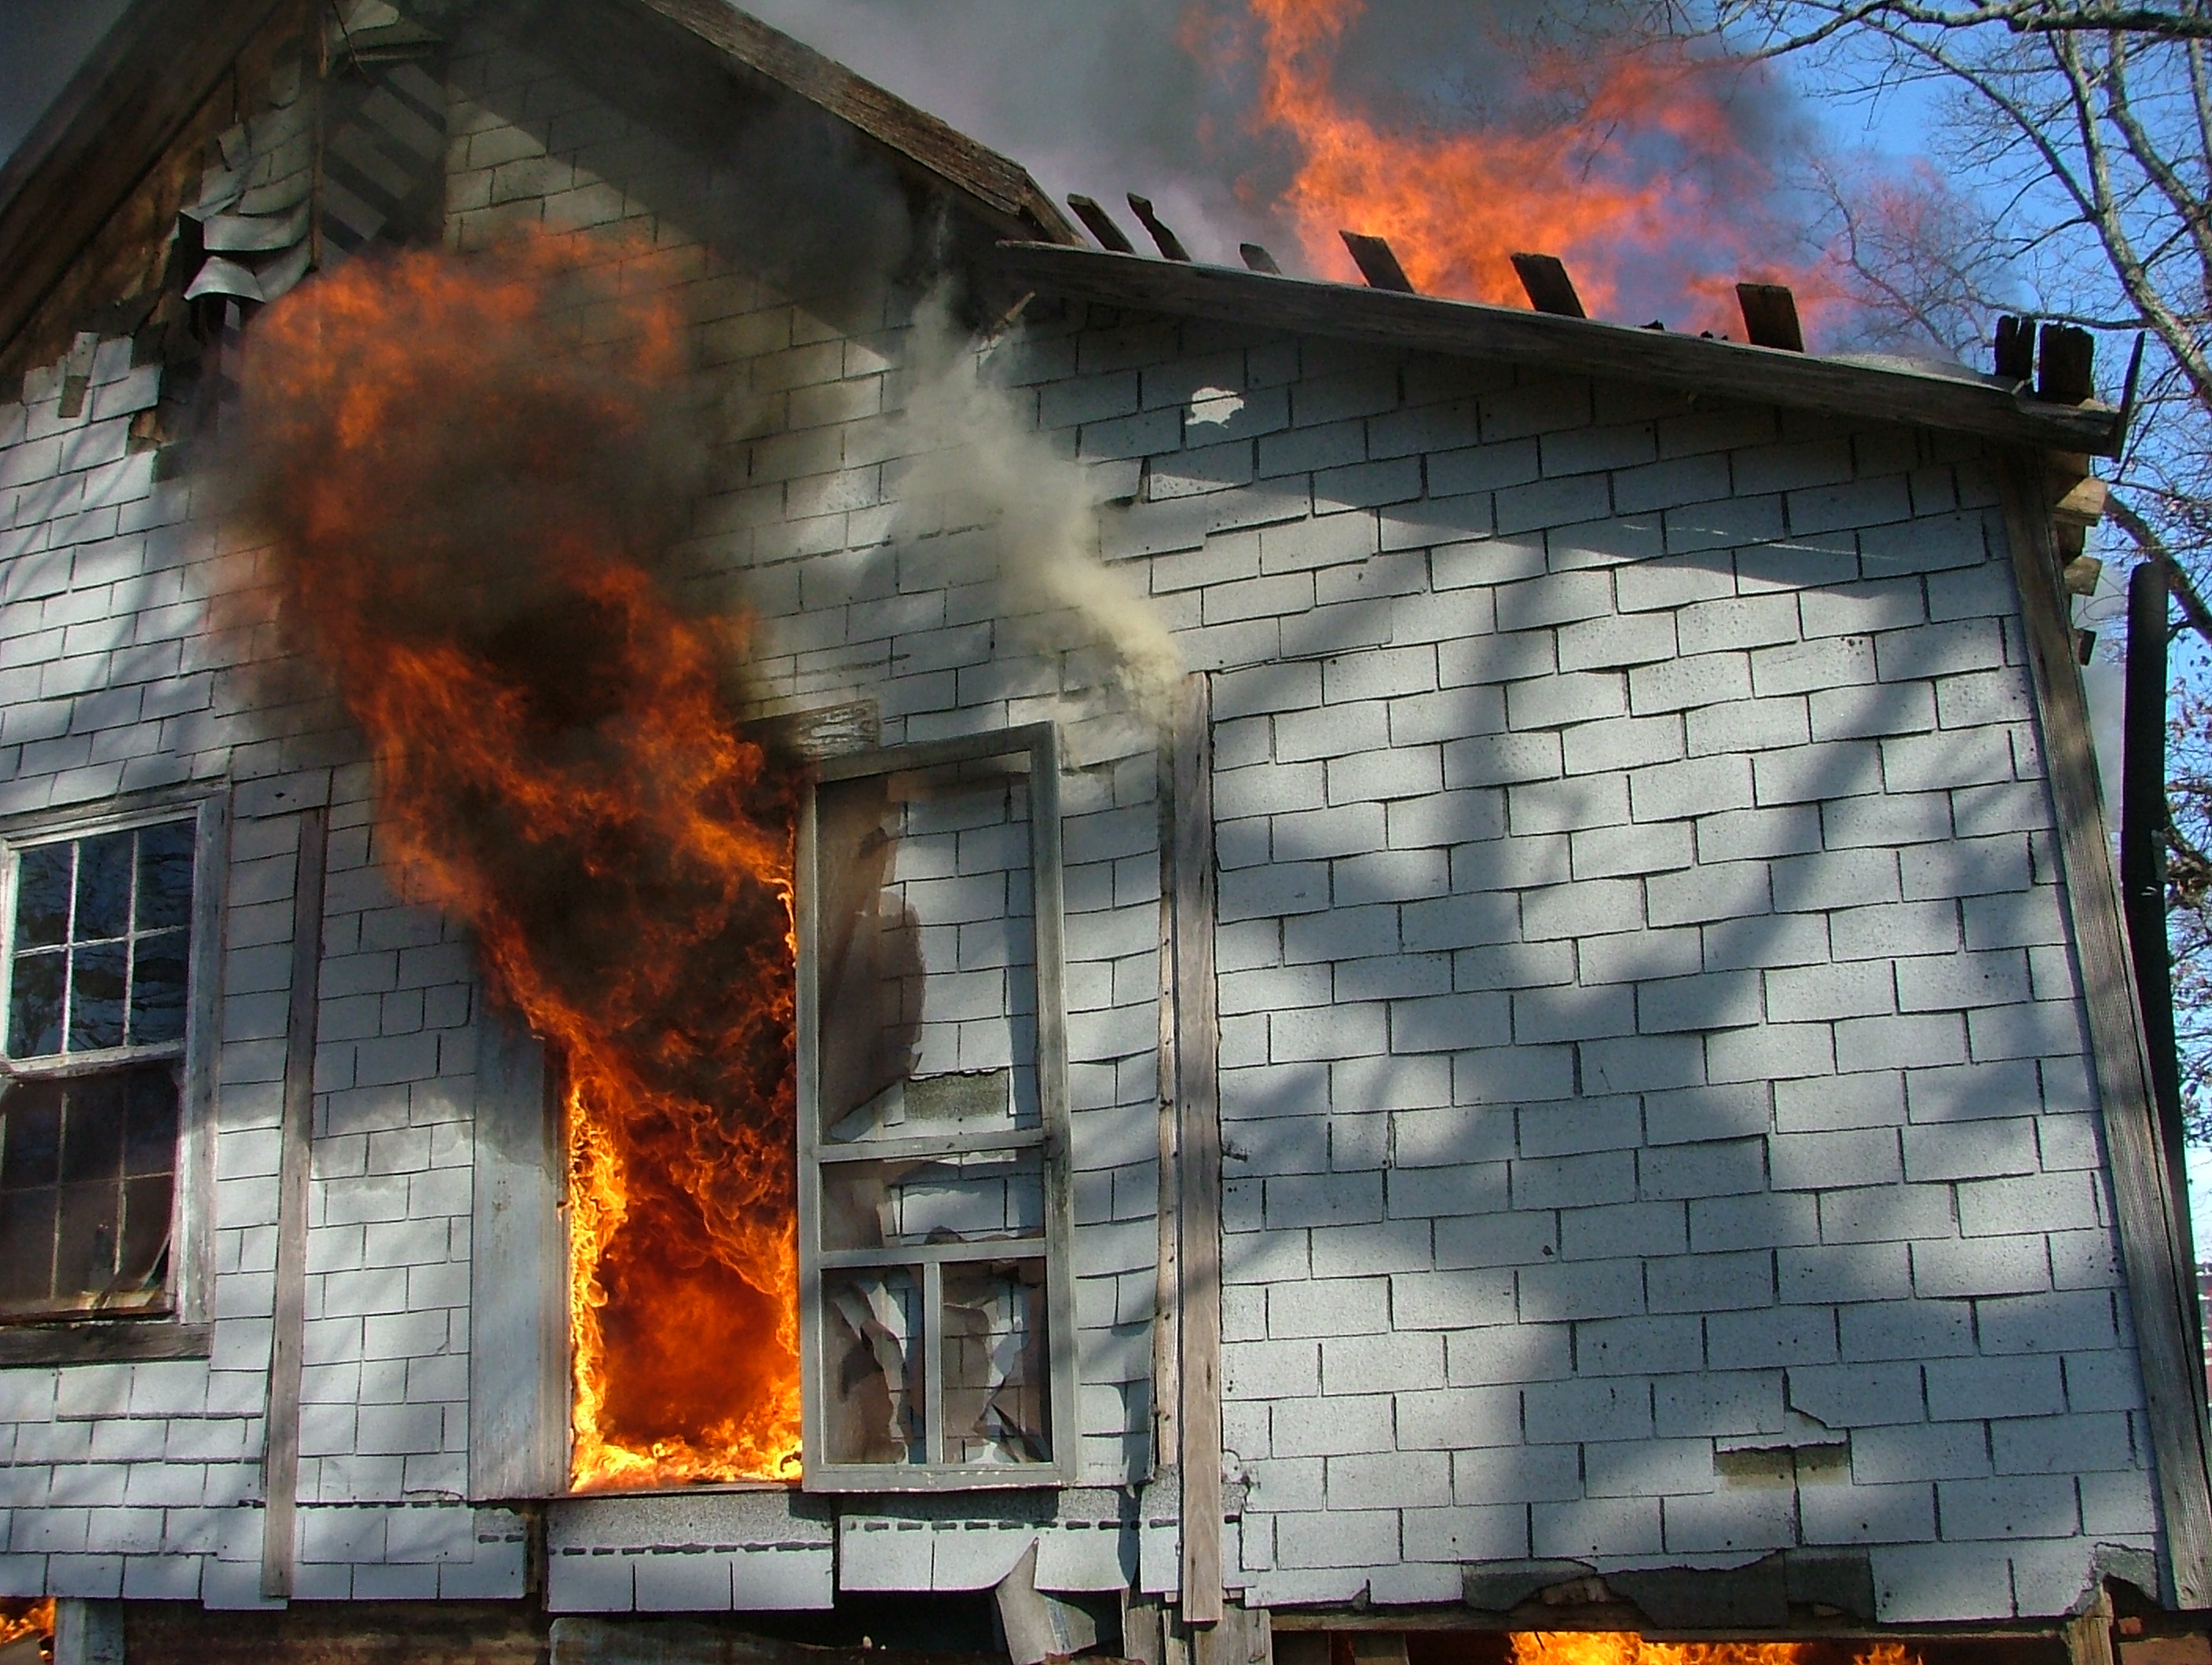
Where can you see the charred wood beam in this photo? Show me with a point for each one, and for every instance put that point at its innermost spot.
(1168, 243)
(1259, 259)
(1544, 279)
(1376, 263)
(1101, 224)
(1770, 316)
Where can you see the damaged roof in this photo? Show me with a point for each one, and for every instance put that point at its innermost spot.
(154, 71)
(1912, 390)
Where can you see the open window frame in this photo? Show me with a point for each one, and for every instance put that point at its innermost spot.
(179, 1324)
(926, 1263)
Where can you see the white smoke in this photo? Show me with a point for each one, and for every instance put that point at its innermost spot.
(980, 470)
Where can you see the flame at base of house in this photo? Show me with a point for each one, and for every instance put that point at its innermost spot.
(472, 474)
(1628, 1647)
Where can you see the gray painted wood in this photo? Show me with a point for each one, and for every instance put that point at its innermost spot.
(2159, 1284)
(1198, 1136)
(104, 1342)
(279, 1468)
(518, 1274)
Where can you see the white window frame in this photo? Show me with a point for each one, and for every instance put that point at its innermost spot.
(1039, 744)
(188, 1288)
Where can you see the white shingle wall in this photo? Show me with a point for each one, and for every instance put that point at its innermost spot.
(144, 1479)
(1646, 1019)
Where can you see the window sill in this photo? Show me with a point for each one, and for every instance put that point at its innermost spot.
(101, 1341)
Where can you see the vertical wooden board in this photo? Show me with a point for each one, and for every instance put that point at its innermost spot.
(279, 1466)
(1198, 1119)
(2158, 1283)
(1167, 1305)
(517, 1272)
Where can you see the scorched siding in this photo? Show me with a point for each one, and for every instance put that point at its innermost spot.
(1654, 1104)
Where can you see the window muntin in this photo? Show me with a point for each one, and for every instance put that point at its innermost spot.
(936, 1310)
(100, 933)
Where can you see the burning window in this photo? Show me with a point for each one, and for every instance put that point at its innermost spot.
(98, 985)
(933, 1118)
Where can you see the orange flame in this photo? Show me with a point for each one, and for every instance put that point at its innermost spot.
(1647, 175)
(1626, 1648)
(470, 509)
(21, 1618)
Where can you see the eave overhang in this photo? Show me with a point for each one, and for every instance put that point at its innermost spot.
(1960, 401)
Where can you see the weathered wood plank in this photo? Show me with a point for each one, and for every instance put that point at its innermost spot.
(1198, 1136)
(105, 1341)
(280, 1463)
(1572, 346)
(2160, 1286)
(518, 1277)
(920, 137)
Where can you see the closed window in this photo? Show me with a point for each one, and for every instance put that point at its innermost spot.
(101, 932)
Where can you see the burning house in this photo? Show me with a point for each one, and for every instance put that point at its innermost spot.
(752, 908)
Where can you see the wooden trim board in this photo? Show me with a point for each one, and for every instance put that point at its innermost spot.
(280, 1464)
(2157, 1285)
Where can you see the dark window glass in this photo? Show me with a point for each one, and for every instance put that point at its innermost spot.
(96, 994)
(30, 1145)
(103, 886)
(102, 942)
(34, 1004)
(165, 876)
(42, 894)
(86, 1189)
(158, 980)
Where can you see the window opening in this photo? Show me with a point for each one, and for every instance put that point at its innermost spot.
(933, 1212)
(98, 1003)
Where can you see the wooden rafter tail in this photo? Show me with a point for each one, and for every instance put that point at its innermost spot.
(1544, 279)
(1770, 316)
(1168, 243)
(1100, 224)
(1377, 263)
(1258, 259)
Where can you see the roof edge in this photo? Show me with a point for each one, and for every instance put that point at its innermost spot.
(1963, 403)
(928, 141)
(106, 128)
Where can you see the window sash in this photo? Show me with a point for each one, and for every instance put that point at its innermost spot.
(926, 1266)
(187, 1290)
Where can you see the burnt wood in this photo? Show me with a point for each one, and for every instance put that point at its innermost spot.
(1168, 243)
(1962, 401)
(280, 1465)
(1544, 278)
(2161, 1285)
(1770, 316)
(103, 1341)
(1377, 263)
(2015, 348)
(2065, 364)
(1198, 1139)
(1101, 224)
(337, 1633)
(999, 184)
(1256, 258)
(105, 131)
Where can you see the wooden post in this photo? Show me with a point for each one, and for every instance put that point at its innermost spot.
(280, 1462)
(2143, 881)
(2161, 1287)
(1198, 1140)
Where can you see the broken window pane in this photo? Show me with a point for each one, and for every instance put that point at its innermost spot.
(872, 1392)
(996, 1395)
(86, 1186)
(962, 1198)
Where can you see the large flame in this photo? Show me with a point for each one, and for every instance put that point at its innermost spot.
(472, 511)
(1631, 168)
(1627, 1648)
(21, 1618)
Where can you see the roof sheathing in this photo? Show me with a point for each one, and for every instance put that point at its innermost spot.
(1962, 401)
